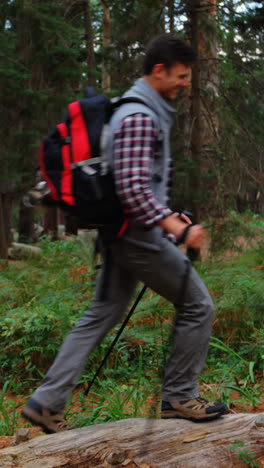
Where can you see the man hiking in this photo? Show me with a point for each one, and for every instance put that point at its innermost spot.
(139, 152)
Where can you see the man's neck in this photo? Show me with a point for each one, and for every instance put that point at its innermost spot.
(152, 82)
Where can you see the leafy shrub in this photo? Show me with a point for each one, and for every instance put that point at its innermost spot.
(42, 300)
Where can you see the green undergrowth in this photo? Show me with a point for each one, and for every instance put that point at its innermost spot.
(40, 301)
(42, 298)
(235, 232)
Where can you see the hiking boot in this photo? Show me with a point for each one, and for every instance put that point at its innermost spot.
(48, 420)
(197, 410)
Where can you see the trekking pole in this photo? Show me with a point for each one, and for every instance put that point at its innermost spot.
(185, 279)
(116, 339)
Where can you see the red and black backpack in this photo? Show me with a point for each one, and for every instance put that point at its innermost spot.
(74, 164)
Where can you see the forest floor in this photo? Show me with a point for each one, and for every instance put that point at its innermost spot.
(43, 298)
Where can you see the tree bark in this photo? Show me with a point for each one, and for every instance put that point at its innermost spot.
(89, 43)
(208, 49)
(7, 211)
(195, 112)
(26, 224)
(71, 226)
(51, 222)
(3, 240)
(145, 443)
(106, 77)
(171, 13)
(204, 122)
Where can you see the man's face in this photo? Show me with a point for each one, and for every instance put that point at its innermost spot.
(172, 80)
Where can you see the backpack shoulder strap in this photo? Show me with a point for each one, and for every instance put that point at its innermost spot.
(132, 105)
(122, 108)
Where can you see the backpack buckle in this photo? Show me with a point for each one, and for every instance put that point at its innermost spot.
(66, 140)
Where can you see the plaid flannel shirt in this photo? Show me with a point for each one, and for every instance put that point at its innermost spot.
(134, 147)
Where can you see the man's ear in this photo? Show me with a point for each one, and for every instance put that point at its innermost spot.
(158, 71)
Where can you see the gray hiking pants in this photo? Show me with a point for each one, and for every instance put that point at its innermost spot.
(163, 271)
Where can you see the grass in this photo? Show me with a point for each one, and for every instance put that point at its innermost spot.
(243, 455)
(42, 298)
(8, 412)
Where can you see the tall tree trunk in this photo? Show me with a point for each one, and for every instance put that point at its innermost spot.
(106, 76)
(204, 114)
(195, 112)
(231, 30)
(3, 241)
(171, 12)
(208, 48)
(7, 210)
(71, 226)
(51, 222)
(25, 224)
(88, 25)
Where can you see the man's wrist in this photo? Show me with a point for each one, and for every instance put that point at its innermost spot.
(182, 237)
(173, 224)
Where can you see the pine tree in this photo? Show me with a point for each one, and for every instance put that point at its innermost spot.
(39, 72)
(241, 91)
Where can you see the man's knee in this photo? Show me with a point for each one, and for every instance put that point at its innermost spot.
(100, 315)
(199, 298)
(198, 308)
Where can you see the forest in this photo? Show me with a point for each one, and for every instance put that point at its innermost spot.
(50, 52)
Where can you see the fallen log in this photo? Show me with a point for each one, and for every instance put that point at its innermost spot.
(19, 251)
(146, 443)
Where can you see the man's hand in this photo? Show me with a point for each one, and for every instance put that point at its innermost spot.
(176, 224)
(196, 237)
(183, 217)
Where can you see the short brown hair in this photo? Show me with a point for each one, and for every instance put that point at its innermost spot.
(168, 50)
